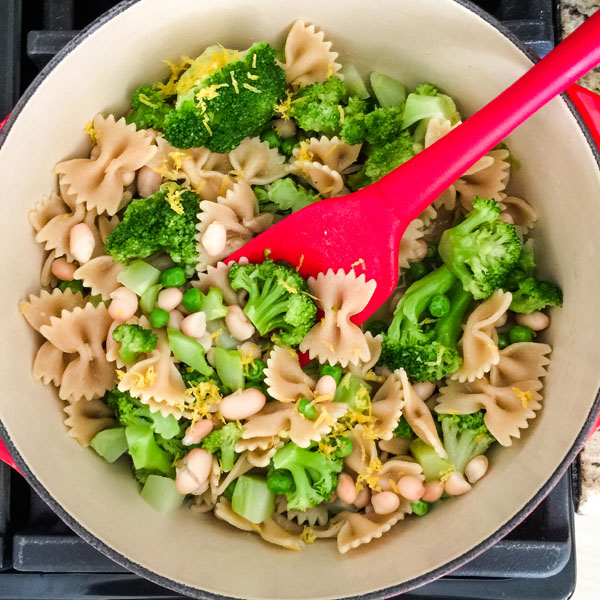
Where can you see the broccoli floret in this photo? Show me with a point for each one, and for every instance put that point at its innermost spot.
(426, 347)
(231, 104)
(318, 107)
(465, 437)
(222, 442)
(482, 250)
(383, 125)
(148, 108)
(403, 429)
(315, 476)
(354, 128)
(534, 294)
(134, 340)
(426, 89)
(277, 300)
(150, 225)
(284, 195)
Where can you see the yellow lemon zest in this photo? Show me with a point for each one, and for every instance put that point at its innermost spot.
(330, 70)
(170, 88)
(173, 197)
(177, 156)
(206, 125)
(23, 308)
(120, 374)
(145, 100)
(523, 396)
(224, 185)
(91, 131)
(372, 376)
(251, 76)
(287, 287)
(234, 82)
(342, 116)
(305, 155)
(308, 535)
(251, 88)
(283, 107)
(200, 399)
(254, 61)
(216, 335)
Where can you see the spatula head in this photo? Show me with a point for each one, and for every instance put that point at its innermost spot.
(358, 231)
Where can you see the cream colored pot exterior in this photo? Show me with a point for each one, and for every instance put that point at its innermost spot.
(436, 41)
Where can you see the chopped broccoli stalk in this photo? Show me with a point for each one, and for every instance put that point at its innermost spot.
(465, 437)
(388, 91)
(150, 225)
(228, 106)
(212, 304)
(188, 350)
(228, 364)
(315, 476)
(148, 108)
(138, 276)
(277, 300)
(481, 250)
(534, 294)
(222, 443)
(283, 195)
(435, 468)
(354, 391)
(280, 481)
(146, 453)
(317, 107)
(426, 348)
(110, 444)
(134, 340)
(149, 298)
(161, 494)
(403, 429)
(252, 498)
(425, 103)
(353, 82)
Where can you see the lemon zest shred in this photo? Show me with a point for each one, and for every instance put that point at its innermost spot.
(330, 70)
(91, 132)
(200, 399)
(206, 125)
(177, 156)
(120, 374)
(145, 100)
(251, 76)
(224, 185)
(216, 335)
(283, 108)
(23, 308)
(173, 197)
(308, 535)
(372, 376)
(342, 116)
(523, 396)
(251, 88)
(360, 262)
(170, 88)
(234, 82)
(305, 155)
(451, 412)
(287, 287)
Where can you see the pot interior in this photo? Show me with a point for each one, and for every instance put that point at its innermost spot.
(436, 41)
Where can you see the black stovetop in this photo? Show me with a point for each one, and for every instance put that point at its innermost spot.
(40, 558)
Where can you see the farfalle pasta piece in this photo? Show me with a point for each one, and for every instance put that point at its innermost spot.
(507, 409)
(361, 528)
(315, 516)
(335, 339)
(46, 276)
(217, 276)
(45, 210)
(99, 182)
(520, 211)
(38, 310)
(419, 417)
(284, 377)
(100, 275)
(519, 362)
(49, 364)
(396, 468)
(386, 407)
(82, 331)
(333, 153)
(395, 446)
(86, 418)
(259, 450)
(308, 57)
(256, 163)
(363, 367)
(479, 350)
(411, 244)
(326, 181)
(363, 459)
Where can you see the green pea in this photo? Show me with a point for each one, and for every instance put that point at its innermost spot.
(503, 340)
(420, 508)
(173, 277)
(335, 372)
(417, 271)
(432, 251)
(158, 318)
(192, 300)
(520, 333)
(75, 285)
(344, 447)
(307, 408)
(228, 493)
(287, 146)
(270, 136)
(439, 305)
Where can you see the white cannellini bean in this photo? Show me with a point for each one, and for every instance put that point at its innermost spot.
(81, 242)
(194, 325)
(325, 386)
(148, 182)
(362, 498)
(286, 128)
(250, 350)
(411, 487)
(169, 299)
(433, 491)
(424, 389)
(501, 321)
(476, 468)
(175, 319)
(537, 320)
(193, 471)
(63, 269)
(456, 484)
(214, 238)
(206, 341)
(507, 218)
(197, 432)
(241, 405)
(238, 323)
(346, 489)
(124, 304)
(385, 503)
(243, 261)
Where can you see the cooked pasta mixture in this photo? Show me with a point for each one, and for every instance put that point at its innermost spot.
(245, 389)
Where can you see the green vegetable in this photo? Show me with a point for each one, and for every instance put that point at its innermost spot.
(335, 371)
(277, 300)
(417, 270)
(252, 499)
(280, 481)
(188, 350)
(420, 508)
(192, 300)
(534, 294)
(138, 276)
(134, 340)
(222, 443)
(173, 277)
(287, 146)
(228, 493)
(254, 373)
(233, 106)
(465, 437)
(149, 298)
(426, 348)
(403, 429)
(421, 106)
(354, 83)
(307, 408)
(150, 225)
(354, 391)
(520, 333)
(388, 91)
(353, 128)
(503, 340)
(161, 494)
(315, 476)
(383, 125)
(146, 453)
(439, 305)
(74, 285)
(221, 334)
(158, 318)
(270, 136)
(283, 195)
(434, 466)
(148, 108)
(110, 444)
(376, 327)
(229, 368)
(212, 304)
(344, 447)
(481, 250)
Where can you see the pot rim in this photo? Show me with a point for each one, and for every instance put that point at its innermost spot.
(406, 586)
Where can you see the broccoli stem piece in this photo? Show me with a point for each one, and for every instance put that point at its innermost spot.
(435, 468)
(252, 498)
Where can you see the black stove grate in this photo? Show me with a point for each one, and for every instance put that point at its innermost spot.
(41, 558)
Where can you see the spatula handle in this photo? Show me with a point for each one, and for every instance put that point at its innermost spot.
(413, 186)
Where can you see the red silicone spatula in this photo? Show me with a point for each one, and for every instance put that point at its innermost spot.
(363, 230)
